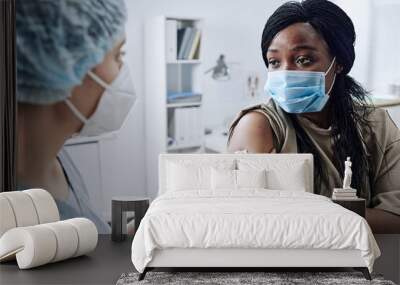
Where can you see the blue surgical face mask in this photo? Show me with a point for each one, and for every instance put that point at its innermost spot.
(299, 91)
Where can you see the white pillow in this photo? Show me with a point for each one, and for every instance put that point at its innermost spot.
(281, 174)
(223, 179)
(184, 177)
(193, 175)
(251, 178)
(238, 179)
(294, 179)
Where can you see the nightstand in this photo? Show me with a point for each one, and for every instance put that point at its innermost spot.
(121, 205)
(356, 205)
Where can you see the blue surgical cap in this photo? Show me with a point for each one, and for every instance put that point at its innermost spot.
(59, 41)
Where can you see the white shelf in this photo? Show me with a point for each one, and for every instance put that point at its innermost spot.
(185, 61)
(178, 105)
(165, 73)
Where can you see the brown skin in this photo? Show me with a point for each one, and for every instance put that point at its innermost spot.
(43, 129)
(300, 47)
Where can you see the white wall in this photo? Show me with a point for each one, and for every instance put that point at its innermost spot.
(385, 57)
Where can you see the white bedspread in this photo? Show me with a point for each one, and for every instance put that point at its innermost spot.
(250, 218)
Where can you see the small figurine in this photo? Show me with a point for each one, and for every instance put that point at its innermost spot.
(345, 193)
(347, 174)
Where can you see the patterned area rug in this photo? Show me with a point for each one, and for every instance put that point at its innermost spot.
(269, 278)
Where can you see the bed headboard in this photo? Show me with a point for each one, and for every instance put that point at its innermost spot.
(272, 160)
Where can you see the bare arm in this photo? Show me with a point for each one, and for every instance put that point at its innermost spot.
(253, 132)
(383, 222)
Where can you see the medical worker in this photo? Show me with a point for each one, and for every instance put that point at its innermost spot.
(70, 80)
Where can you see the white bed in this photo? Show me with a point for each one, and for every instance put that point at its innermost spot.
(200, 220)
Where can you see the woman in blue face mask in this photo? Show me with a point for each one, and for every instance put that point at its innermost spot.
(71, 80)
(316, 107)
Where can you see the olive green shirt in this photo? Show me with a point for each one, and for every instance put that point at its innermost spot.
(382, 148)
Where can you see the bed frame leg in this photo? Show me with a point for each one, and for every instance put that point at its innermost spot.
(143, 274)
(364, 271)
